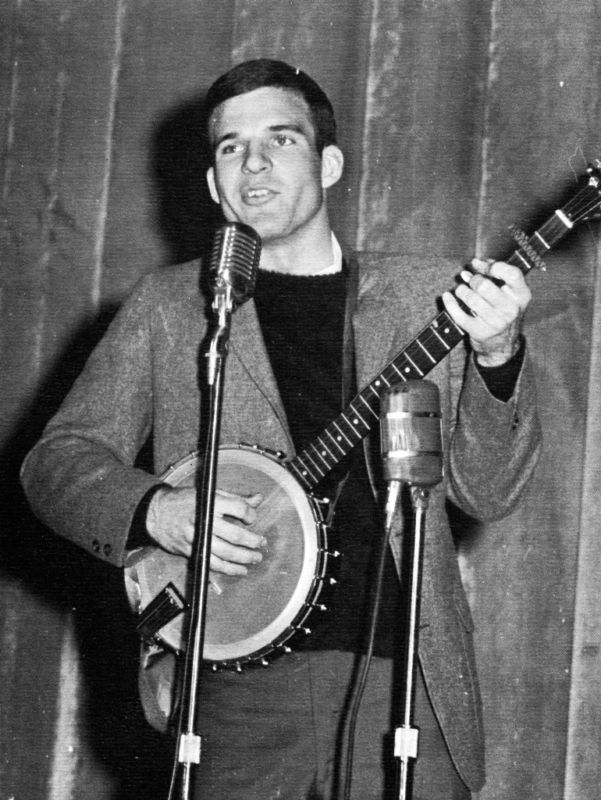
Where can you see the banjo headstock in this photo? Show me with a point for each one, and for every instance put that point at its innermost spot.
(586, 204)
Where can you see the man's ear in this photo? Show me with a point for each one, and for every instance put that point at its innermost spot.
(332, 164)
(211, 184)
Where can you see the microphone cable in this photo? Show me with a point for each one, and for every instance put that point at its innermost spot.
(360, 682)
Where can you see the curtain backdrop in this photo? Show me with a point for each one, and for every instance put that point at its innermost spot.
(457, 118)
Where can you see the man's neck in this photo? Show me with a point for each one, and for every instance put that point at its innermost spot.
(299, 255)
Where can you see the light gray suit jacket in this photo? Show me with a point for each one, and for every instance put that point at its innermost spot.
(142, 378)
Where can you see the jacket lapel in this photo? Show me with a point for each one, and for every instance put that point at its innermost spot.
(376, 320)
(246, 342)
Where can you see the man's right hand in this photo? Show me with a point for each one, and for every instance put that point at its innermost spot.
(170, 522)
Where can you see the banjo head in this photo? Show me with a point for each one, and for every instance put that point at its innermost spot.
(251, 616)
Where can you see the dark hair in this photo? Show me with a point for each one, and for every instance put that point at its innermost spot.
(262, 72)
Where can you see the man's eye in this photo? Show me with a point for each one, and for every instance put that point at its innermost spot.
(228, 149)
(282, 140)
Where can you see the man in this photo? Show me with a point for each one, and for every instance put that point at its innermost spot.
(281, 732)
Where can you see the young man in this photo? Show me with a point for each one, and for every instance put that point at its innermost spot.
(322, 323)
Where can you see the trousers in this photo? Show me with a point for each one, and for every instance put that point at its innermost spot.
(279, 733)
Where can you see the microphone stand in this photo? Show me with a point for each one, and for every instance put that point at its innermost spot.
(406, 735)
(411, 435)
(189, 741)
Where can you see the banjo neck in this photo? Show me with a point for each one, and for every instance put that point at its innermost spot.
(353, 424)
(432, 344)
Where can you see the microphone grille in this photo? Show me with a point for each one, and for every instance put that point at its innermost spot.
(235, 259)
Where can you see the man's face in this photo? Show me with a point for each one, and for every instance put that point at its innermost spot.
(267, 172)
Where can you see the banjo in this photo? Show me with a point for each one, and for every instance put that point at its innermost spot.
(254, 617)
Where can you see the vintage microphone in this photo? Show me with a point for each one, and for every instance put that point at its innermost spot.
(410, 438)
(411, 445)
(234, 263)
(233, 270)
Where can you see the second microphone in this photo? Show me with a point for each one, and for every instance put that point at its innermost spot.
(411, 433)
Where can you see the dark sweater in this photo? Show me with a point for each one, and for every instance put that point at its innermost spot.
(302, 320)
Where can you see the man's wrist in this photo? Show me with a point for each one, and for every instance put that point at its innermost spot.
(501, 379)
(497, 358)
(153, 510)
(138, 532)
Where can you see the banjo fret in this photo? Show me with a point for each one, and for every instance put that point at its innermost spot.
(326, 452)
(322, 455)
(342, 436)
(367, 404)
(305, 473)
(335, 440)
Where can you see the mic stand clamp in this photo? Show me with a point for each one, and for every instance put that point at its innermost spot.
(223, 306)
(406, 735)
(189, 745)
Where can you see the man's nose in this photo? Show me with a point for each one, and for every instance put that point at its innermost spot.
(256, 159)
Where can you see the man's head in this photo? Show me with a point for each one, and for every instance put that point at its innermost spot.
(262, 72)
(273, 151)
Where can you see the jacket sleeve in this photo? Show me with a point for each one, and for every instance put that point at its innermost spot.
(494, 444)
(80, 477)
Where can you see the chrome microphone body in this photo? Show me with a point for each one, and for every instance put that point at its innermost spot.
(411, 433)
(410, 441)
(234, 263)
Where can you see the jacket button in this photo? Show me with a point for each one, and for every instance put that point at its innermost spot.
(107, 549)
(95, 545)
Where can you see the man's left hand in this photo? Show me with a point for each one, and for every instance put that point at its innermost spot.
(497, 310)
